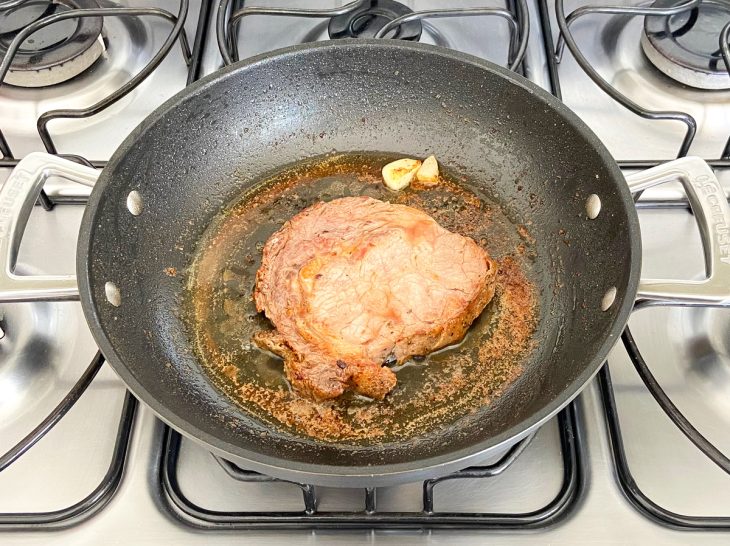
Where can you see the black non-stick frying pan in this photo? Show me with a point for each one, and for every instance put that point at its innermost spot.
(172, 176)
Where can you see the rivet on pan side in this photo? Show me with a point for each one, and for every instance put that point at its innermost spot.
(113, 295)
(134, 202)
(593, 206)
(608, 298)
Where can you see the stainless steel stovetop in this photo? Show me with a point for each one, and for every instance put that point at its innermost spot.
(613, 468)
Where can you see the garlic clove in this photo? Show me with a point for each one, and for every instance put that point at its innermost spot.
(428, 173)
(399, 174)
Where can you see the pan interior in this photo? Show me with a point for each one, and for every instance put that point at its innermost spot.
(227, 133)
(432, 392)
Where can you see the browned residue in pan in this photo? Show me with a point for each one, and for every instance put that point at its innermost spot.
(431, 393)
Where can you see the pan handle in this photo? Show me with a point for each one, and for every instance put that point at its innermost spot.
(710, 207)
(17, 198)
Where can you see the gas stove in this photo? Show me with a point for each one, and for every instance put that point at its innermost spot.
(86, 464)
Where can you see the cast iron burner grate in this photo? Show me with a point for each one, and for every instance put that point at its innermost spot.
(626, 481)
(185, 510)
(98, 497)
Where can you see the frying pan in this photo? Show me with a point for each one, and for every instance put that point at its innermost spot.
(175, 172)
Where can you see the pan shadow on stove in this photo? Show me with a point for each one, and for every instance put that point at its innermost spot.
(26, 374)
(708, 352)
(29, 369)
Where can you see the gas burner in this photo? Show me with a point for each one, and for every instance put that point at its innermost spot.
(685, 46)
(13, 19)
(55, 53)
(367, 20)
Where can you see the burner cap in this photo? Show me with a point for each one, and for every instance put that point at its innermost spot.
(367, 20)
(685, 46)
(55, 53)
(13, 19)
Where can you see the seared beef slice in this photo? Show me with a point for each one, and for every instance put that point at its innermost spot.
(356, 282)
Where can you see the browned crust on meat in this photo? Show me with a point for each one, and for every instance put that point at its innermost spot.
(319, 379)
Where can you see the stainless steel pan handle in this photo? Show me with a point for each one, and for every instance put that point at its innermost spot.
(710, 207)
(705, 195)
(17, 197)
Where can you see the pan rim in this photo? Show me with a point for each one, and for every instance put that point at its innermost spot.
(388, 473)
